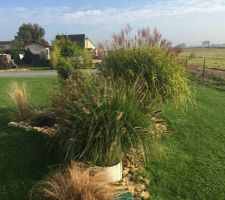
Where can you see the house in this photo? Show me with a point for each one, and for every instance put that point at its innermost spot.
(80, 39)
(206, 43)
(39, 48)
(5, 45)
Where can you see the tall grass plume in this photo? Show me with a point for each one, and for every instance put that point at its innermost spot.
(19, 96)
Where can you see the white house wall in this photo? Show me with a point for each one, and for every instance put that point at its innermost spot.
(38, 49)
(89, 44)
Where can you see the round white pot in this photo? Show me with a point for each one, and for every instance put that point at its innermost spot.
(113, 173)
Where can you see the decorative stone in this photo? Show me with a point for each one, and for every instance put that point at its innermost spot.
(139, 187)
(125, 171)
(145, 195)
(12, 124)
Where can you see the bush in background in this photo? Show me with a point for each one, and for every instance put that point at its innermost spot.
(36, 60)
(153, 58)
(69, 55)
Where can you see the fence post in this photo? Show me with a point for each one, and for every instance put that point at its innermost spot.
(203, 72)
(186, 62)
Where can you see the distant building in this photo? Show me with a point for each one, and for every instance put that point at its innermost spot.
(80, 39)
(39, 48)
(206, 43)
(5, 45)
(182, 45)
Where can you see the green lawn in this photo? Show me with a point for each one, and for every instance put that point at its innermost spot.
(36, 67)
(215, 57)
(23, 156)
(193, 165)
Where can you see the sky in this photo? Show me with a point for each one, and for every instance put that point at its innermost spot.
(180, 21)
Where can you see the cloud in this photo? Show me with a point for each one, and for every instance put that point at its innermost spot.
(70, 16)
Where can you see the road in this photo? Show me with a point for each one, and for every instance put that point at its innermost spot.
(38, 73)
(35, 73)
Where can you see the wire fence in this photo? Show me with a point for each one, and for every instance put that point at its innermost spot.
(208, 70)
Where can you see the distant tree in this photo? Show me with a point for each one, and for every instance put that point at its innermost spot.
(29, 32)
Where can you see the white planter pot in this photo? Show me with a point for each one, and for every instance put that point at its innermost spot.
(113, 173)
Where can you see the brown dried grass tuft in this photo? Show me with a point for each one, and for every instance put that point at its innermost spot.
(19, 97)
(75, 183)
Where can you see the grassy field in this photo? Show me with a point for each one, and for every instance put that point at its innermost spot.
(192, 165)
(23, 156)
(37, 67)
(215, 57)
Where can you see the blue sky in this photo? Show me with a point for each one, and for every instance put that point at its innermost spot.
(189, 21)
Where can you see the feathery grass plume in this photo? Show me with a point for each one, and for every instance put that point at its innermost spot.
(19, 95)
(99, 118)
(75, 183)
(149, 55)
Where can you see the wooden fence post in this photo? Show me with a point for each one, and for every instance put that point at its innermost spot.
(186, 62)
(203, 72)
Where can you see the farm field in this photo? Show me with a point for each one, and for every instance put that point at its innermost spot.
(215, 57)
(191, 164)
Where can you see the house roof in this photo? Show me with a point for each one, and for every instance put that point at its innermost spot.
(37, 42)
(4, 42)
(79, 38)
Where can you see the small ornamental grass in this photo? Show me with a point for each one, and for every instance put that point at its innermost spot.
(74, 183)
(19, 96)
(100, 118)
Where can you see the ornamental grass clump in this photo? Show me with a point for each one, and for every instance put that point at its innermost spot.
(19, 96)
(148, 55)
(74, 183)
(100, 118)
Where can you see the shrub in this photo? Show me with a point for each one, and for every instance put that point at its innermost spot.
(55, 56)
(74, 183)
(67, 54)
(19, 97)
(100, 118)
(28, 57)
(148, 55)
(165, 77)
(36, 60)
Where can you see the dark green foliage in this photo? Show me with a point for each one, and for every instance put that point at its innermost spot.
(67, 54)
(35, 60)
(28, 57)
(42, 119)
(67, 47)
(99, 119)
(64, 72)
(29, 32)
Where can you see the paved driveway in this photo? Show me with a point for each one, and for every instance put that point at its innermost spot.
(36, 73)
